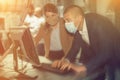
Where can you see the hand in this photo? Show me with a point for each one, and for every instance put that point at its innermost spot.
(78, 68)
(56, 64)
(66, 65)
(60, 63)
(47, 55)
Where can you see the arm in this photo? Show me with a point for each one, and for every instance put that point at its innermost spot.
(101, 59)
(75, 47)
(71, 54)
(39, 36)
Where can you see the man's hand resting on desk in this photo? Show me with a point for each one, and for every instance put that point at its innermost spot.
(61, 64)
(66, 65)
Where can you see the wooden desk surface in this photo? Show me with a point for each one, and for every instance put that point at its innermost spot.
(30, 73)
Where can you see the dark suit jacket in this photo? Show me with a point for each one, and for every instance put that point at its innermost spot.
(104, 43)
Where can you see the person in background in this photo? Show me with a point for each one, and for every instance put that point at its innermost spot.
(97, 39)
(33, 19)
(57, 41)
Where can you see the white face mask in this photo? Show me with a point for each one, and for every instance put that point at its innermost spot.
(70, 27)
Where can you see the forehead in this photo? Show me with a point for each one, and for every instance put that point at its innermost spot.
(68, 15)
(49, 13)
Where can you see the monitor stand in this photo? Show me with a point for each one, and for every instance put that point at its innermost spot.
(21, 71)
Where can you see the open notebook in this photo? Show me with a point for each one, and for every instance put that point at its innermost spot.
(23, 38)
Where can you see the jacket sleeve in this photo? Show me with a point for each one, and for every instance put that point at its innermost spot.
(75, 48)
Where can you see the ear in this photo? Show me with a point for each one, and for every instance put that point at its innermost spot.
(79, 18)
(80, 22)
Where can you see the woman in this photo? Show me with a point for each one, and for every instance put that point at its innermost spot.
(57, 41)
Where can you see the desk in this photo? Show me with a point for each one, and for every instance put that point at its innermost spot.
(8, 72)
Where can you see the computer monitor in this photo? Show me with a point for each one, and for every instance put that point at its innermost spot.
(23, 38)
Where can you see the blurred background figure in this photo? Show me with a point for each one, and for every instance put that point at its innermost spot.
(34, 19)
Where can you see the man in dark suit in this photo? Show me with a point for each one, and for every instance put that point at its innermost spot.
(97, 40)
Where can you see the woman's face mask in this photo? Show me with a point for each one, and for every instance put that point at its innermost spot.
(70, 27)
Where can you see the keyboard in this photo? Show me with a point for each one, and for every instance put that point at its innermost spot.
(48, 67)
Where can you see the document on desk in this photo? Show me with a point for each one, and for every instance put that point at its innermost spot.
(43, 59)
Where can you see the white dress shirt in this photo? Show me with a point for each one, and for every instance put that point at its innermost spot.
(55, 41)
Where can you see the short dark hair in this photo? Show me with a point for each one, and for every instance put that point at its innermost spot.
(74, 9)
(49, 7)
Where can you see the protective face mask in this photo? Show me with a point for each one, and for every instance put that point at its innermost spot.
(70, 27)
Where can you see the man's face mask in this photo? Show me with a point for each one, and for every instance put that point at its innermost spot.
(70, 27)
